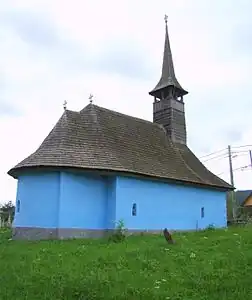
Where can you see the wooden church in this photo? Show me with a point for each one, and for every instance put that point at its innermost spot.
(98, 166)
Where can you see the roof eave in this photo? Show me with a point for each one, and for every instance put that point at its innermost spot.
(12, 172)
(157, 90)
(15, 172)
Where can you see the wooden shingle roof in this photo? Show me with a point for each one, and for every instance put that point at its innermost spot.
(101, 139)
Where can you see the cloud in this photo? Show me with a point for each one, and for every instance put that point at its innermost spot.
(242, 39)
(8, 110)
(232, 134)
(120, 58)
(42, 35)
(32, 28)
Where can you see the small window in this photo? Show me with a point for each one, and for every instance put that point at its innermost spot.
(134, 212)
(202, 212)
(18, 206)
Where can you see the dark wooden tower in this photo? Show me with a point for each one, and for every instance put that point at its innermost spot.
(168, 106)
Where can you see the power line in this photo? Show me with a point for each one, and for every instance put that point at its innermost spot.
(218, 156)
(243, 168)
(242, 146)
(231, 155)
(224, 155)
(234, 155)
(240, 151)
(213, 153)
(225, 149)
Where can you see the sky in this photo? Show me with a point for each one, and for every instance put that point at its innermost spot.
(52, 50)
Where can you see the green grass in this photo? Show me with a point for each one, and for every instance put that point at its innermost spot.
(214, 265)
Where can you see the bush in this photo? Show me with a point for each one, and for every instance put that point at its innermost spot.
(210, 227)
(119, 233)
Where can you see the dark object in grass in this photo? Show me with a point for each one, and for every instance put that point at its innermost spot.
(168, 236)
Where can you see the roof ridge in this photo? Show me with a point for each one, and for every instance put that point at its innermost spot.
(71, 111)
(121, 114)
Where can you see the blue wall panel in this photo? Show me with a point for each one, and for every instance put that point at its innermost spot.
(83, 201)
(38, 194)
(160, 205)
(111, 202)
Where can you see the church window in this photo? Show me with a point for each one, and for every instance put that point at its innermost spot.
(18, 206)
(202, 212)
(134, 209)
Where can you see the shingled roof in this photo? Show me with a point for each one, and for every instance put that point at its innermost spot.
(102, 139)
(242, 196)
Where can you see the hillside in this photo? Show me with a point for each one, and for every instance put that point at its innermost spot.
(214, 265)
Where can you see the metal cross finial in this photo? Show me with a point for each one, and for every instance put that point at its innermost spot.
(65, 104)
(91, 98)
(165, 18)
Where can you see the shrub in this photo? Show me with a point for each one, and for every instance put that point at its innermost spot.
(119, 233)
(210, 227)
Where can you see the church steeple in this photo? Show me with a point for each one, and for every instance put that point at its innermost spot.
(168, 81)
(168, 107)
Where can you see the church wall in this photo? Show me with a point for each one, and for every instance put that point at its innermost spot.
(37, 200)
(111, 202)
(159, 205)
(64, 205)
(83, 203)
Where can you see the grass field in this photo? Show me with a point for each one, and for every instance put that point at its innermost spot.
(213, 265)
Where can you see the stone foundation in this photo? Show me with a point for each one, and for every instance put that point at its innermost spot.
(36, 233)
(70, 233)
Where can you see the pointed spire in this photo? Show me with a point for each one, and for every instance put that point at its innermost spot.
(168, 78)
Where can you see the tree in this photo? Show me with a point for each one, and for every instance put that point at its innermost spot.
(7, 209)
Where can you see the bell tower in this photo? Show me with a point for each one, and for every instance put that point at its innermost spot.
(168, 106)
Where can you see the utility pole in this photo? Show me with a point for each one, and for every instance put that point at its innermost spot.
(232, 182)
(250, 155)
(230, 165)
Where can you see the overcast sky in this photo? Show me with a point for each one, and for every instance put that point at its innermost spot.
(52, 50)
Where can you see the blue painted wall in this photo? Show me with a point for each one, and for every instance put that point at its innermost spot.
(83, 201)
(111, 202)
(68, 200)
(64, 200)
(162, 205)
(39, 196)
